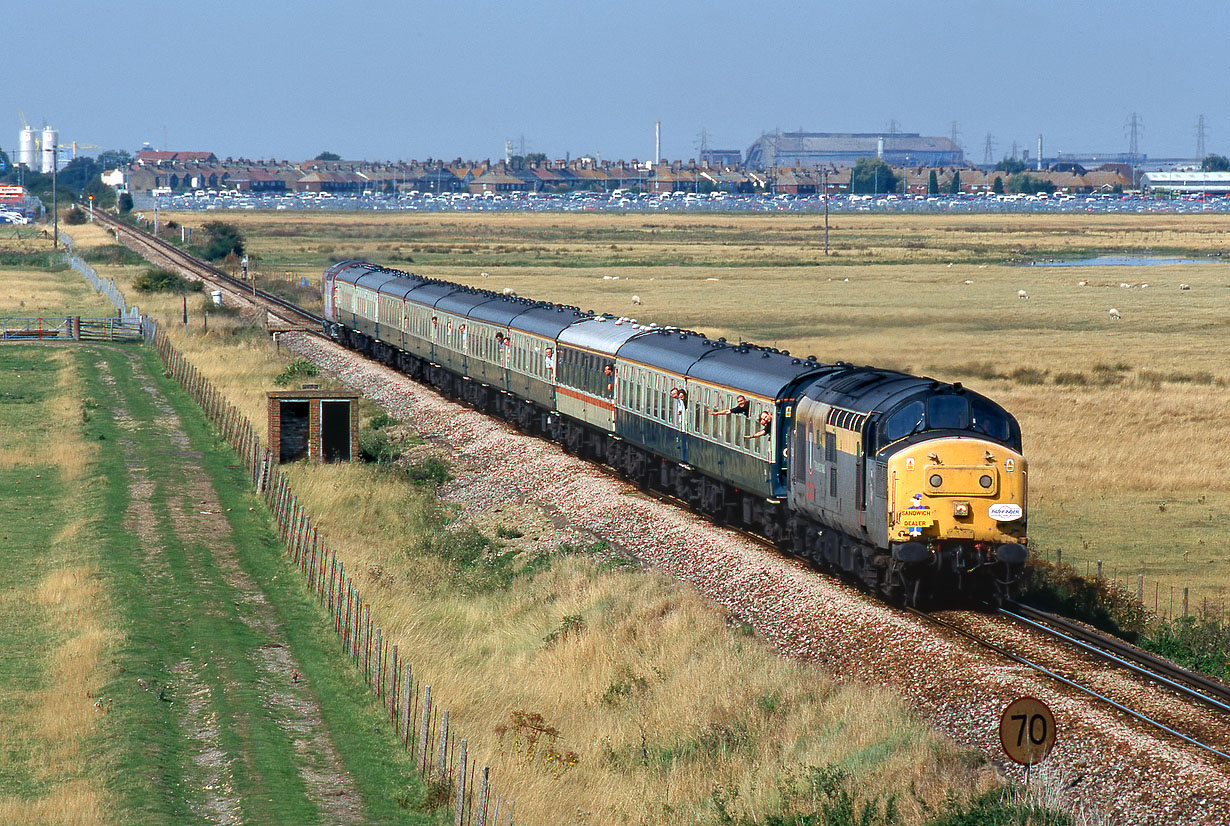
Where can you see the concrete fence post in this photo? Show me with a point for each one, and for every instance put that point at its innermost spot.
(407, 693)
(484, 787)
(377, 664)
(421, 756)
(332, 599)
(357, 614)
(460, 807)
(442, 752)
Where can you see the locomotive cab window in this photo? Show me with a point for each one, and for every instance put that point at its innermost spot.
(907, 420)
(988, 419)
(947, 413)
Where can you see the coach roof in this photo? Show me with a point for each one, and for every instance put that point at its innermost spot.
(600, 333)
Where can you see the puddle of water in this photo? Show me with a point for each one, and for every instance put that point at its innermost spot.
(1120, 261)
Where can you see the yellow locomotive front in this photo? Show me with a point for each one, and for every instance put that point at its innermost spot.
(957, 497)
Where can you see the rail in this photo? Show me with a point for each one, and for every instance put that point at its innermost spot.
(297, 315)
(1073, 684)
(1199, 687)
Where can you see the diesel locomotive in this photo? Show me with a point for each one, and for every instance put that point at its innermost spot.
(913, 486)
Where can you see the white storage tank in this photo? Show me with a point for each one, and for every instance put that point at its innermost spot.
(51, 141)
(27, 153)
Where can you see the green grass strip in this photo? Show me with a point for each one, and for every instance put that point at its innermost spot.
(188, 613)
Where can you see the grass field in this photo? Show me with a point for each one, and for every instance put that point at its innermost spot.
(1111, 411)
(1121, 417)
(693, 725)
(159, 663)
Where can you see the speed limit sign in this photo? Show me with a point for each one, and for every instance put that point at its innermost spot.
(1027, 731)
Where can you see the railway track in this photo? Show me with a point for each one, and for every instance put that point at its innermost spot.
(1191, 687)
(1160, 683)
(287, 311)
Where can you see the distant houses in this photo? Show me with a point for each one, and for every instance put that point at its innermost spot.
(190, 171)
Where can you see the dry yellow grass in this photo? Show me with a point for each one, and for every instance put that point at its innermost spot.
(74, 803)
(69, 608)
(1104, 459)
(650, 688)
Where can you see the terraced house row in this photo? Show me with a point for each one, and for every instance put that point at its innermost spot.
(165, 172)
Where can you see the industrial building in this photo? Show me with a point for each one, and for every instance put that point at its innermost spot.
(1186, 183)
(35, 154)
(843, 149)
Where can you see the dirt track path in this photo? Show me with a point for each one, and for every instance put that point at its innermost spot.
(240, 735)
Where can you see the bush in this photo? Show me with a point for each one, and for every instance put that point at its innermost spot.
(75, 217)
(220, 240)
(431, 472)
(1077, 379)
(1027, 375)
(382, 420)
(1201, 643)
(376, 448)
(156, 280)
(1104, 605)
(298, 369)
(111, 254)
(125, 203)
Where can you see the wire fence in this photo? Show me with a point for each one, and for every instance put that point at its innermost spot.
(441, 755)
(1173, 603)
(71, 328)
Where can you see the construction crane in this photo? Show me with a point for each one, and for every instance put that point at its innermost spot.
(77, 146)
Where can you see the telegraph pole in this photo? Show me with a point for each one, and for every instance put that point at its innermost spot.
(825, 174)
(55, 212)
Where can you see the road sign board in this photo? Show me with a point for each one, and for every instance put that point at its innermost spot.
(1027, 731)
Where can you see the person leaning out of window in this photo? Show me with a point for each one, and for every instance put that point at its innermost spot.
(740, 406)
(766, 426)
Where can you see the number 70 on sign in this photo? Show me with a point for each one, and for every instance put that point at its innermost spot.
(1027, 731)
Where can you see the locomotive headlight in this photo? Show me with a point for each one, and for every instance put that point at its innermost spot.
(960, 508)
(936, 480)
(986, 481)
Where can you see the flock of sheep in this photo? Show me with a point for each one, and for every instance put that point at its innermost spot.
(1114, 313)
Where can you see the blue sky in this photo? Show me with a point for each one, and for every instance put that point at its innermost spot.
(389, 80)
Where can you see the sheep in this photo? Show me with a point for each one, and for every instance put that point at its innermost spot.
(482, 275)
(510, 292)
(1022, 294)
(968, 282)
(636, 299)
(1114, 314)
(1185, 286)
(1082, 283)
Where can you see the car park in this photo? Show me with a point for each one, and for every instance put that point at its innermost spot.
(702, 201)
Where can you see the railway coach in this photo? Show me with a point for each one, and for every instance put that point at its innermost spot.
(916, 487)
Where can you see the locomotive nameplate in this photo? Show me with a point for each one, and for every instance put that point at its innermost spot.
(916, 518)
(1005, 512)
